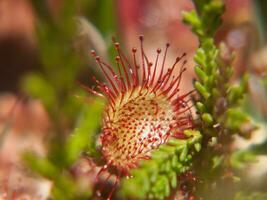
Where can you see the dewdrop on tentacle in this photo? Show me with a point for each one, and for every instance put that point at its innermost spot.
(144, 108)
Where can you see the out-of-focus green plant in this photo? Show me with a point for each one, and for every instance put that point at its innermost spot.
(55, 84)
(253, 196)
(74, 123)
(56, 165)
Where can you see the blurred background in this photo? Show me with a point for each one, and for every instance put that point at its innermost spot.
(45, 49)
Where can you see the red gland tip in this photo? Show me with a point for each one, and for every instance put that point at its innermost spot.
(178, 58)
(93, 53)
(97, 58)
(134, 50)
(118, 58)
(117, 45)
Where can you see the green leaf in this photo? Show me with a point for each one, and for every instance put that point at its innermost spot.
(201, 74)
(236, 118)
(38, 87)
(169, 160)
(41, 165)
(250, 196)
(83, 137)
(240, 158)
(191, 18)
(206, 117)
(202, 90)
(217, 161)
(197, 147)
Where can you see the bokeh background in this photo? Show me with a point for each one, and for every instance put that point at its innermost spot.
(29, 50)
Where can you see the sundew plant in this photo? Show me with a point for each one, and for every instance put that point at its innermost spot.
(123, 128)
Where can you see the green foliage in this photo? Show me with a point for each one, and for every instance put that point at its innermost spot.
(55, 166)
(55, 84)
(83, 137)
(74, 123)
(64, 186)
(207, 19)
(40, 88)
(219, 104)
(105, 18)
(240, 158)
(252, 196)
(61, 63)
(156, 177)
